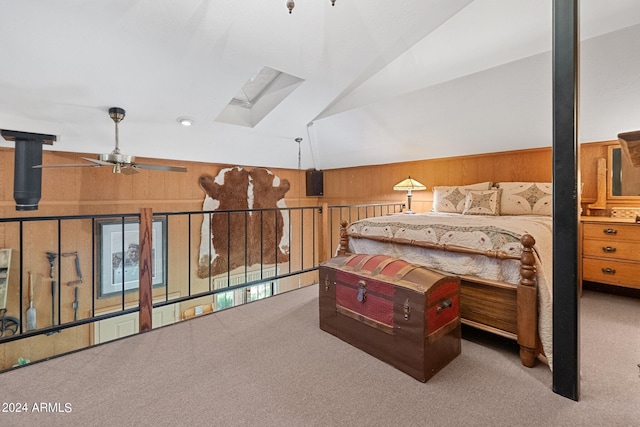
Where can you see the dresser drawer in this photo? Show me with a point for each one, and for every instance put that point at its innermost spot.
(612, 250)
(612, 232)
(611, 272)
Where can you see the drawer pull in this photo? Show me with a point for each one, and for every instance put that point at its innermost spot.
(444, 304)
(607, 270)
(608, 249)
(610, 231)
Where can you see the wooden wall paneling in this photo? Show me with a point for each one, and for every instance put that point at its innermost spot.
(471, 170)
(42, 346)
(304, 229)
(72, 191)
(38, 238)
(10, 239)
(62, 184)
(454, 171)
(6, 173)
(177, 256)
(148, 184)
(362, 185)
(382, 182)
(75, 238)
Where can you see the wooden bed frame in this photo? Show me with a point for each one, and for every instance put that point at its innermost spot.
(501, 308)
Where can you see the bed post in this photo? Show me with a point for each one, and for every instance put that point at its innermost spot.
(343, 249)
(527, 305)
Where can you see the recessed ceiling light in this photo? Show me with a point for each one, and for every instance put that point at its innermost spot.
(185, 121)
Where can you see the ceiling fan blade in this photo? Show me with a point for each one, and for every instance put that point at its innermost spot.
(98, 162)
(161, 167)
(74, 165)
(120, 163)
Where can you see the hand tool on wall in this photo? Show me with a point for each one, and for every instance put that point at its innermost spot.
(51, 257)
(75, 305)
(78, 270)
(8, 325)
(31, 312)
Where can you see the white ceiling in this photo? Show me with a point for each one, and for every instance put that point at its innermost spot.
(384, 81)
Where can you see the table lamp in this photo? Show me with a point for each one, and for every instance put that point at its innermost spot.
(408, 185)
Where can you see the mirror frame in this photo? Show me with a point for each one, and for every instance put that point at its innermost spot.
(610, 195)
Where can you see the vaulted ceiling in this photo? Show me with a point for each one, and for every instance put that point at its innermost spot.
(374, 81)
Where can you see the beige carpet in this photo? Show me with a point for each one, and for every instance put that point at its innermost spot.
(268, 364)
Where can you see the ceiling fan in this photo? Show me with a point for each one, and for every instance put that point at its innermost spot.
(121, 163)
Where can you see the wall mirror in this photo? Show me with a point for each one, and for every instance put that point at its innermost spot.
(623, 180)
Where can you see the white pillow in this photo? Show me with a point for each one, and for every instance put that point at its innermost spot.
(526, 198)
(485, 202)
(452, 198)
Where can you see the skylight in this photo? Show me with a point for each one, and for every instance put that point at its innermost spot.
(258, 97)
(255, 87)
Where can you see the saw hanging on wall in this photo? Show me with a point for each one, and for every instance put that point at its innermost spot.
(121, 163)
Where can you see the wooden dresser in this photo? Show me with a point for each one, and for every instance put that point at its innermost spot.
(611, 251)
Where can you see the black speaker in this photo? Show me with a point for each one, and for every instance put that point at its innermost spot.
(315, 182)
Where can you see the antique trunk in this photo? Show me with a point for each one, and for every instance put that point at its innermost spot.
(403, 314)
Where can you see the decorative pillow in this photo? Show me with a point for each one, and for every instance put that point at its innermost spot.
(526, 198)
(451, 198)
(482, 202)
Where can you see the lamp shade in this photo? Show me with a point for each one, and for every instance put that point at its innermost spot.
(409, 184)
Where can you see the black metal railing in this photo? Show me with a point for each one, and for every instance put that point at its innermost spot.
(338, 213)
(99, 241)
(39, 234)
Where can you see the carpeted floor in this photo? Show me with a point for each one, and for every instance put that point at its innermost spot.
(268, 364)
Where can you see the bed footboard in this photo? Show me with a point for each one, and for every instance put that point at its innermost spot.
(505, 309)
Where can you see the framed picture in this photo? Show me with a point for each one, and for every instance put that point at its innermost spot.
(119, 256)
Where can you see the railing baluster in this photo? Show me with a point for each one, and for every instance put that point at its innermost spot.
(93, 267)
(307, 236)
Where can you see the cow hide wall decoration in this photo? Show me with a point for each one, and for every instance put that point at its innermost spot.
(237, 239)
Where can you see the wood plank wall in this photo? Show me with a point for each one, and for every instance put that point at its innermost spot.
(86, 191)
(375, 183)
(71, 191)
(369, 184)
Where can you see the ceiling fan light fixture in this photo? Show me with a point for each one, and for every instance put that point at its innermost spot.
(185, 121)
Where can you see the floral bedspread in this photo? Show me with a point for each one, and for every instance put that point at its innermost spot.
(499, 233)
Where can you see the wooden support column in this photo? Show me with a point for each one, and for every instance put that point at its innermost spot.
(146, 297)
(566, 380)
